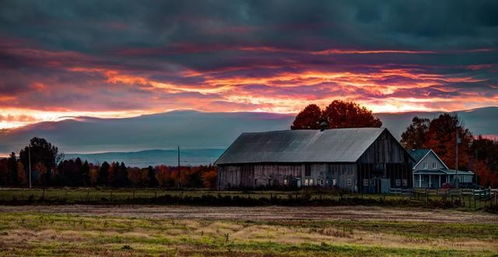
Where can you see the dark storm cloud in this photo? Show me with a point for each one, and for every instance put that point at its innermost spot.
(156, 55)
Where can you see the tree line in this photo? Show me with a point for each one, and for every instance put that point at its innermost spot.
(440, 134)
(50, 170)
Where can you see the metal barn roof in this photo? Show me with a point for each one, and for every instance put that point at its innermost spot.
(290, 146)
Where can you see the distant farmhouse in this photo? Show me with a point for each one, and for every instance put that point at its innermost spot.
(366, 160)
(429, 171)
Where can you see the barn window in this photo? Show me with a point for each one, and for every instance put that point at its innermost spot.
(307, 170)
(398, 182)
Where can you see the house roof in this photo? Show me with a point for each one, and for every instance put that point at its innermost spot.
(443, 172)
(418, 154)
(430, 172)
(290, 146)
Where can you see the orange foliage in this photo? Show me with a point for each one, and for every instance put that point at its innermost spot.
(486, 176)
(209, 178)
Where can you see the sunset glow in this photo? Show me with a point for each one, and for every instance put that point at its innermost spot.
(65, 63)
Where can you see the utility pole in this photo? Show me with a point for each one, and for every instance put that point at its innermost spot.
(178, 165)
(29, 164)
(456, 157)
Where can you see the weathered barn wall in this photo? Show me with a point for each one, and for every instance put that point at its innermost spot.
(287, 175)
(385, 158)
(385, 149)
(343, 176)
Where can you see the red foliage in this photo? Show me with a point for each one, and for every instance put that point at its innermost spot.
(486, 176)
(338, 114)
(309, 118)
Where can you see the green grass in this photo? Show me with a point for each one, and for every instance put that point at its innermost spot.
(37, 234)
(200, 197)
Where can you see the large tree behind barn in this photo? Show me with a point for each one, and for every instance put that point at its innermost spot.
(338, 114)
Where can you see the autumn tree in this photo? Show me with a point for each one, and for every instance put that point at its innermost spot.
(93, 174)
(163, 176)
(21, 174)
(309, 118)
(40, 151)
(12, 169)
(485, 150)
(4, 172)
(138, 177)
(103, 174)
(151, 173)
(415, 136)
(209, 178)
(485, 176)
(338, 114)
(442, 139)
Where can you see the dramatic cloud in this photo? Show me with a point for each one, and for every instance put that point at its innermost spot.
(125, 58)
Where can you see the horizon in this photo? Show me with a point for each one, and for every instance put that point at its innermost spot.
(292, 114)
(126, 59)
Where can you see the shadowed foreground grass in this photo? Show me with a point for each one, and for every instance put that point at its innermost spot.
(37, 234)
(307, 197)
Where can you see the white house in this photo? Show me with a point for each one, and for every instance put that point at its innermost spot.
(429, 171)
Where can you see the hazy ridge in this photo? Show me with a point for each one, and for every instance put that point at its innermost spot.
(202, 135)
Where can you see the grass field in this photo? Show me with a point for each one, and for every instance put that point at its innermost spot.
(75, 230)
(238, 198)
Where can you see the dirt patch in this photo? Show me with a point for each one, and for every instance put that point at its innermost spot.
(264, 213)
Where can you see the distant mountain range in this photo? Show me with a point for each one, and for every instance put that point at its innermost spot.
(202, 136)
(188, 157)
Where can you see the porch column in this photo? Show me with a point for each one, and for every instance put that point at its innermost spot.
(439, 186)
(419, 180)
(430, 181)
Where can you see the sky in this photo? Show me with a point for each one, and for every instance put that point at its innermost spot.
(125, 58)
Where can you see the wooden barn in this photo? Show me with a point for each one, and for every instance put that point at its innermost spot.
(357, 159)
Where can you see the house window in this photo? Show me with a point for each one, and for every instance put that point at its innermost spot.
(405, 182)
(425, 165)
(433, 165)
(349, 182)
(398, 182)
(365, 182)
(311, 181)
(321, 181)
(334, 182)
